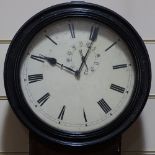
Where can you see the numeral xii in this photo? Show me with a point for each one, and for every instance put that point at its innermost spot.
(93, 33)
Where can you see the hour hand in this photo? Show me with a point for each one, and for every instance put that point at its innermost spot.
(53, 62)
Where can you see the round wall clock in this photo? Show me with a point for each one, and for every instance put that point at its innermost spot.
(77, 74)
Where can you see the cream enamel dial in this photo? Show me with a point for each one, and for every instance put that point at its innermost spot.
(77, 75)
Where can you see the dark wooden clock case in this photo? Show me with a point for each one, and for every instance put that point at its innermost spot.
(85, 10)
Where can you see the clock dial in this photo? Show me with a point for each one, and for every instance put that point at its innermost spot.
(77, 75)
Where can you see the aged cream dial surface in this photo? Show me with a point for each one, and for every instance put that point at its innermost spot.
(77, 75)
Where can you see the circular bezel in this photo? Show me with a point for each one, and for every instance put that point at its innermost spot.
(86, 10)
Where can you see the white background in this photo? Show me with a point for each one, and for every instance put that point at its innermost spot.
(139, 139)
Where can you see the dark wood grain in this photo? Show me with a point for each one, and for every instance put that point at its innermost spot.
(38, 147)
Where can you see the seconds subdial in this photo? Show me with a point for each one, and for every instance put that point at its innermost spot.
(79, 50)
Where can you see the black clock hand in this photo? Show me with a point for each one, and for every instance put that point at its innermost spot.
(53, 61)
(93, 37)
(82, 58)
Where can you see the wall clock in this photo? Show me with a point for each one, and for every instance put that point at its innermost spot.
(77, 74)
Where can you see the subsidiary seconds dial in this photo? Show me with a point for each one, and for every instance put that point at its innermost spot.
(59, 92)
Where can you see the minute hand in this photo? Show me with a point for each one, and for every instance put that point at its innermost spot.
(85, 57)
(93, 37)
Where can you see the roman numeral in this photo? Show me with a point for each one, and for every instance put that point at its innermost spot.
(112, 45)
(50, 39)
(84, 115)
(43, 99)
(35, 78)
(117, 88)
(61, 115)
(93, 33)
(120, 66)
(71, 28)
(105, 107)
(38, 58)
